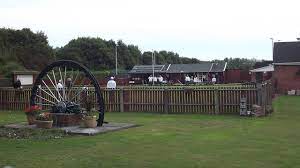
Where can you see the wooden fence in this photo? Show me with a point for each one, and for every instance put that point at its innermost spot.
(202, 100)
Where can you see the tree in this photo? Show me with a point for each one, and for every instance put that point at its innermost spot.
(238, 63)
(147, 58)
(24, 49)
(94, 53)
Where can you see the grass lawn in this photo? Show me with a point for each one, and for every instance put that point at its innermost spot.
(169, 141)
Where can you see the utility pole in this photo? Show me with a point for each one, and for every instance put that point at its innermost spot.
(272, 39)
(153, 62)
(116, 58)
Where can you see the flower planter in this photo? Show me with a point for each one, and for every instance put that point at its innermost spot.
(65, 120)
(30, 119)
(90, 121)
(43, 124)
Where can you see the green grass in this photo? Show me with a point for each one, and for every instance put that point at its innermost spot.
(169, 141)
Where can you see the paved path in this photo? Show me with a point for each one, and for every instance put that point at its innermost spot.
(81, 130)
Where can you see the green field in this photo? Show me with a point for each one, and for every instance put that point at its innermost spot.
(169, 141)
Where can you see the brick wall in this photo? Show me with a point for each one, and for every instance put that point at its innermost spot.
(286, 78)
(237, 76)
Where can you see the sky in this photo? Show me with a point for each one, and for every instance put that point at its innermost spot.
(203, 29)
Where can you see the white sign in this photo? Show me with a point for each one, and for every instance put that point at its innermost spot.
(25, 79)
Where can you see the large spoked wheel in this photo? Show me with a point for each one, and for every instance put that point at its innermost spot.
(66, 87)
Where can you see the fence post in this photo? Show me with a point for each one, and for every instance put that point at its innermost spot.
(259, 94)
(264, 98)
(217, 104)
(166, 101)
(121, 100)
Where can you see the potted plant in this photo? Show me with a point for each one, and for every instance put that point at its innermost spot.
(89, 119)
(31, 113)
(44, 120)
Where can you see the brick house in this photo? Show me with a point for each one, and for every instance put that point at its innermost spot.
(286, 57)
(262, 74)
(237, 76)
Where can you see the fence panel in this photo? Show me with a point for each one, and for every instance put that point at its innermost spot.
(199, 100)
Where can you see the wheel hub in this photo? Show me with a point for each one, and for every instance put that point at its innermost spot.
(60, 107)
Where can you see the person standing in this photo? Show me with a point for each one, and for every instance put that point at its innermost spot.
(154, 79)
(150, 78)
(214, 79)
(160, 79)
(187, 79)
(111, 84)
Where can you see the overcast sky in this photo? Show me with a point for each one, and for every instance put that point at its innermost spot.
(204, 29)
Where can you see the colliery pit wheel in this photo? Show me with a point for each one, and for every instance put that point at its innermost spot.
(64, 87)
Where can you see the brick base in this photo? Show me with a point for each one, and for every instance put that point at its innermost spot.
(64, 120)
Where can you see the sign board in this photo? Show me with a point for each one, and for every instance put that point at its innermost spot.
(25, 79)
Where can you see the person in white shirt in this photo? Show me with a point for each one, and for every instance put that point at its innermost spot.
(160, 79)
(150, 78)
(111, 84)
(214, 80)
(203, 78)
(59, 85)
(196, 79)
(187, 79)
(154, 79)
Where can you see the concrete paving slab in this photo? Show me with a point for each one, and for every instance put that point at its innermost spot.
(81, 130)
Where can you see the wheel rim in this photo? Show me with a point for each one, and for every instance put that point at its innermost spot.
(64, 84)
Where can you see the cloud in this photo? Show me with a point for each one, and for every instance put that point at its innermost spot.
(202, 29)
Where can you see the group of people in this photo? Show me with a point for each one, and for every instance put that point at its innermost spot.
(197, 79)
(155, 79)
(187, 79)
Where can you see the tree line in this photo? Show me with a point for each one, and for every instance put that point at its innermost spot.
(27, 50)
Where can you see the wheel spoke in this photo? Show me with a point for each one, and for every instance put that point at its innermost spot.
(74, 81)
(83, 88)
(72, 73)
(61, 79)
(59, 96)
(72, 84)
(53, 96)
(42, 104)
(64, 83)
(45, 99)
(81, 84)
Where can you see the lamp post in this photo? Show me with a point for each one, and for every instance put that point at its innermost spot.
(272, 40)
(116, 49)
